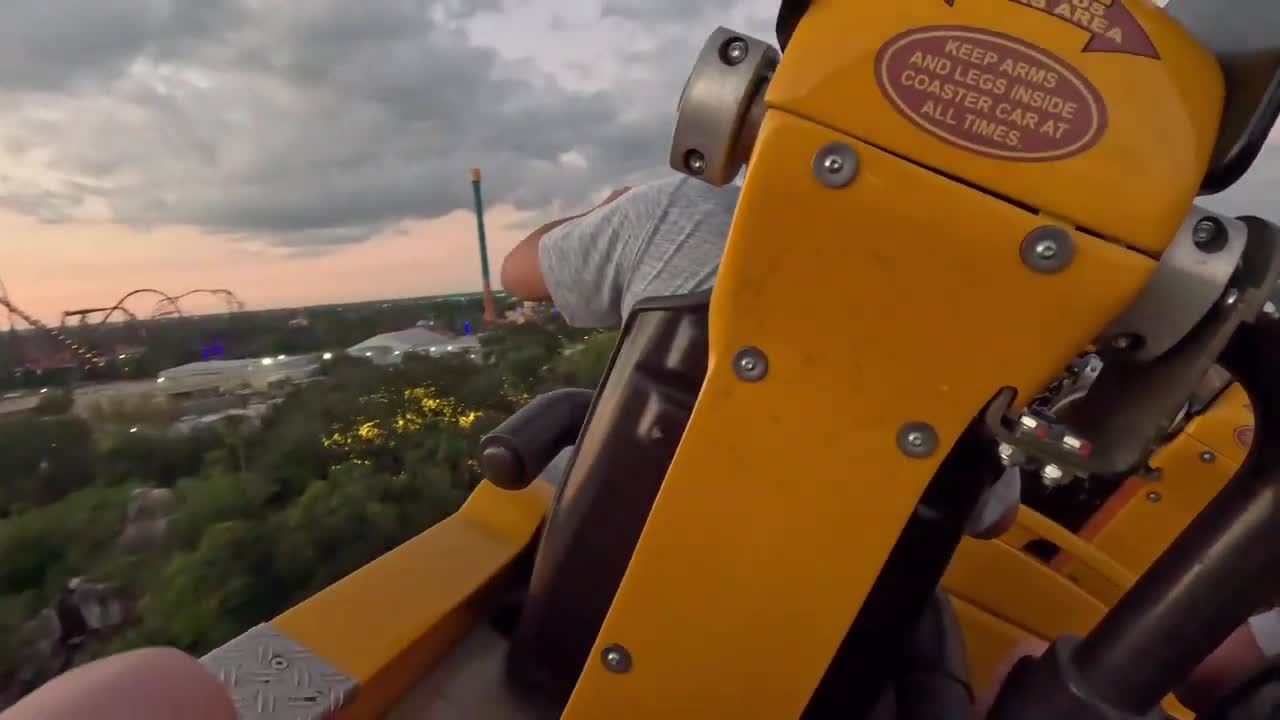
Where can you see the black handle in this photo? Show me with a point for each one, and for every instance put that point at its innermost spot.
(1209, 580)
(519, 449)
(1216, 573)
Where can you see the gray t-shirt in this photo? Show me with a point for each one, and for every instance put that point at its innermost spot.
(657, 240)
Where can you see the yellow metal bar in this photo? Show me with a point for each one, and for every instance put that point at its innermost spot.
(1115, 578)
(800, 473)
(1019, 589)
(387, 623)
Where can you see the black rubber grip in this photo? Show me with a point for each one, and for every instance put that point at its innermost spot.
(519, 449)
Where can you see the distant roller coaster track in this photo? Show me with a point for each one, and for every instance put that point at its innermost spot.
(233, 303)
(166, 306)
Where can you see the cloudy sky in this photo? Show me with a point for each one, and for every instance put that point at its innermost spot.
(301, 151)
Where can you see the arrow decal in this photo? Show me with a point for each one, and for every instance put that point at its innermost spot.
(1113, 28)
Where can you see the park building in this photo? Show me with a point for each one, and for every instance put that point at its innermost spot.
(219, 377)
(390, 348)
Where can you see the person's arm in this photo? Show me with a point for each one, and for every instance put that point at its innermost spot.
(1231, 663)
(150, 684)
(521, 272)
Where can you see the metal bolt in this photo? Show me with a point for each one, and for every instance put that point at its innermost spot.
(750, 364)
(1208, 456)
(917, 439)
(1154, 496)
(1270, 310)
(1029, 422)
(735, 51)
(279, 663)
(1010, 455)
(1123, 342)
(616, 658)
(1072, 442)
(1208, 234)
(1047, 249)
(835, 165)
(695, 162)
(1052, 475)
(1230, 297)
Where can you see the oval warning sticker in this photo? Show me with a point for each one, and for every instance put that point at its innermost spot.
(1244, 436)
(990, 93)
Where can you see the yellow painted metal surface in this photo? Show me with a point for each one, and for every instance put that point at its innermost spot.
(1227, 426)
(1121, 186)
(1020, 590)
(1150, 518)
(988, 641)
(800, 473)
(1003, 596)
(387, 623)
(1115, 577)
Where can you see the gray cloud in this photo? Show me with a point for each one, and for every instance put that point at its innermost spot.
(1258, 192)
(313, 123)
(664, 11)
(320, 123)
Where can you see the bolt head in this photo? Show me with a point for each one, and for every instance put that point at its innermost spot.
(833, 164)
(1154, 497)
(1208, 456)
(1122, 342)
(696, 162)
(917, 439)
(1230, 297)
(1205, 231)
(750, 364)
(1053, 476)
(1270, 310)
(735, 52)
(616, 659)
(1046, 249)
(279, 663)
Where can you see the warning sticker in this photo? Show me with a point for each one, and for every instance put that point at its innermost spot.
(1113, 27)
(990, 93)
(1244, 436)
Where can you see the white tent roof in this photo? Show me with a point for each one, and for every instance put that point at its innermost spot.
(412, 339)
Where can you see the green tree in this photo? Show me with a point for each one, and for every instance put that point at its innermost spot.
(54, 402)
(42, 459)
(584, 366)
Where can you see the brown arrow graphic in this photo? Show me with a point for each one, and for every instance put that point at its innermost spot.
(1113, 28)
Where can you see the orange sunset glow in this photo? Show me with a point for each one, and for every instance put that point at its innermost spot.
(49, 267)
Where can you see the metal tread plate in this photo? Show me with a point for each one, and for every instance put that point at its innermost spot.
(272, 677)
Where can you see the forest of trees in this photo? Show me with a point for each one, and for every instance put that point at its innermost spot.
(338, 473)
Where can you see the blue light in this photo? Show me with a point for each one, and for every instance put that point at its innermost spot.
(466, 327)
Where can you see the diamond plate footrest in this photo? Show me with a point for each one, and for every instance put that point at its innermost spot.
(273, 677)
